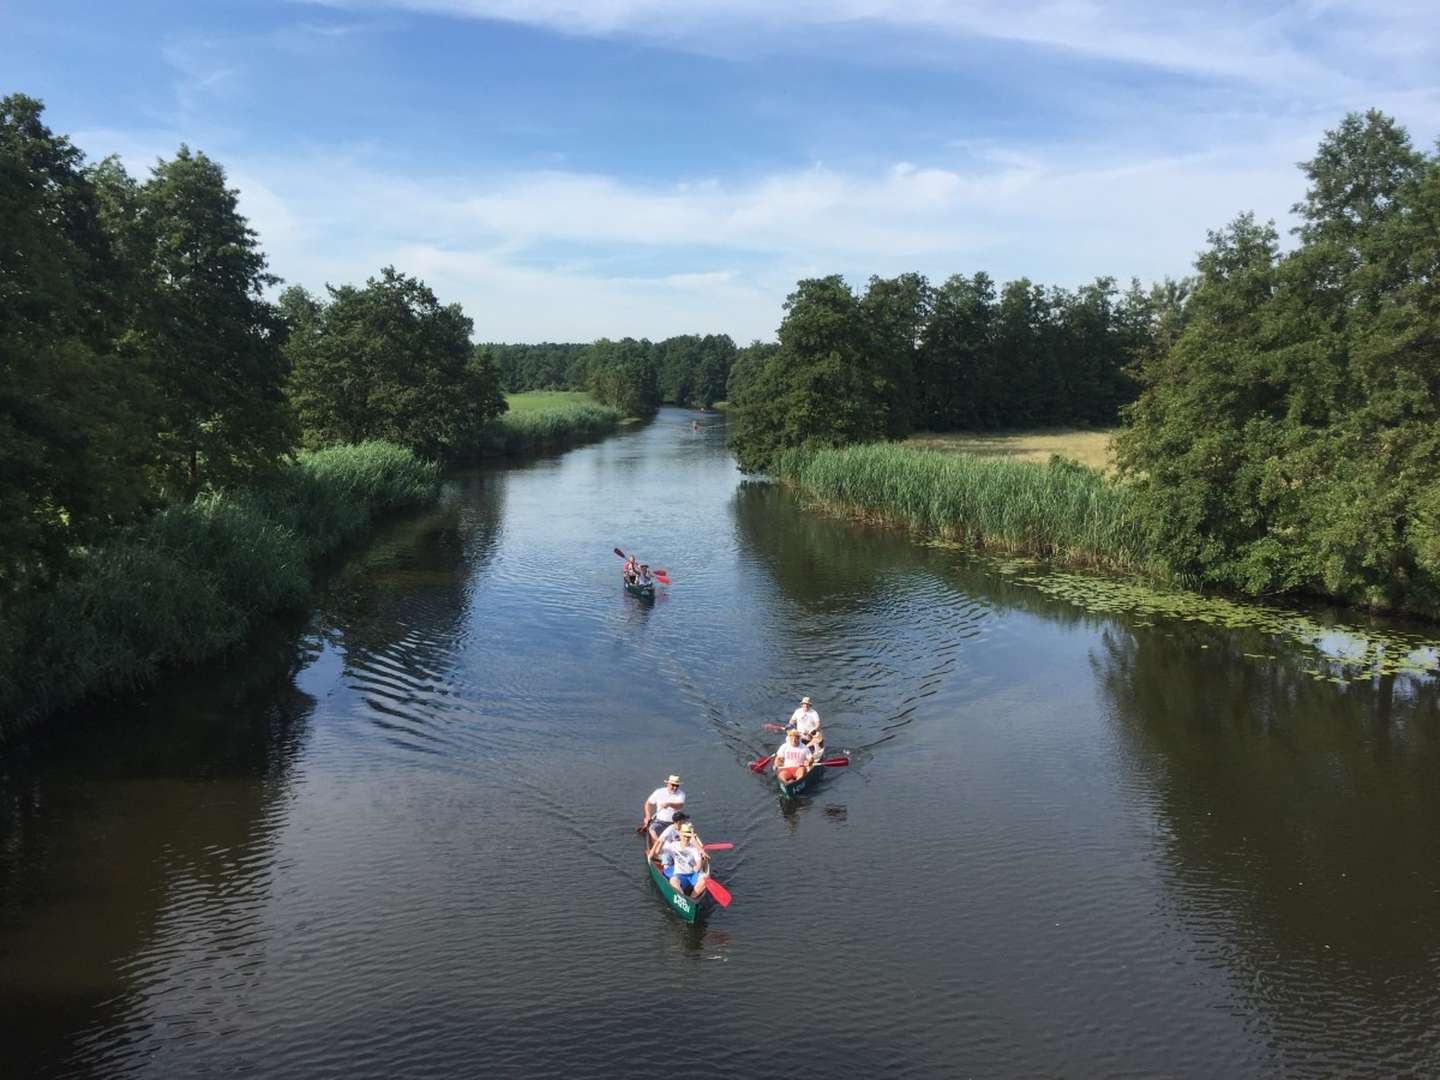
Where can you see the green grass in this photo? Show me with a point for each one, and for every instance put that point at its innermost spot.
(547, 400)
(194, 578)
(1056, 510)
(543, 419)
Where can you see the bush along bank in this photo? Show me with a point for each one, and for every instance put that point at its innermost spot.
(1058, 510)
(194, 578)
(531, 430)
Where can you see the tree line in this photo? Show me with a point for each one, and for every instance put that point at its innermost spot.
(906, 356)
(634, 375)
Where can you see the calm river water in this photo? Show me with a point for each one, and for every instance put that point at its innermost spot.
(396, 838)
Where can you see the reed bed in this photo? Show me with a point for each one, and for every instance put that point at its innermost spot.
(193, 579)
(526, 429)
(1058, 510)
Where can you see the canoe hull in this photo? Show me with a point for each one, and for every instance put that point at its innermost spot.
(810, 780)
(686, 907)
(640, 592)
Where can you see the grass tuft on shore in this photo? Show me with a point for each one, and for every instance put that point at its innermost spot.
(547, 418)
(1058, 509)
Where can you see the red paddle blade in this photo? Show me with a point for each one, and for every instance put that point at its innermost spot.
(774, 727)
(719, 847)
(835, 762)
(660, 573)
(759, 766)
(718, 891)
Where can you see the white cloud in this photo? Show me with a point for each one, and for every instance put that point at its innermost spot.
(1299, 46)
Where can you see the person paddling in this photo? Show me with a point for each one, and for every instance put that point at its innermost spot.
(660, 807)
(670, 832)
(807, 721)
(685, 862)
(792, 759)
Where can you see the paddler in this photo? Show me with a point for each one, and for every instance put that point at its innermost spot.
(792, 759)
(670, 832)
(660, 807)
(807, 721)
(685, 862)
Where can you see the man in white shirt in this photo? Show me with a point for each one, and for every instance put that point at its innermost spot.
(792, 759)
(807, 721)
(685, 862)
(670, 832)
(660, 807)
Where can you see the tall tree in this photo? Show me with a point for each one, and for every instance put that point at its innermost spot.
(622, 373)
(211, 342)
(955, 376)
(896, 311)
(388, 361)
(820, 387)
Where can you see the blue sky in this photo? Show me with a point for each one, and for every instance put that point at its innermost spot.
(568, 169)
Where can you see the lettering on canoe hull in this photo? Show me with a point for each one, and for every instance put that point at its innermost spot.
(682, 903)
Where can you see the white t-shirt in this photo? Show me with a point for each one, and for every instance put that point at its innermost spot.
(790, 757)
(683, 858)
(806, 721)
(666, 802)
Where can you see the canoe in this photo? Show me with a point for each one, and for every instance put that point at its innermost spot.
(642, 592)
(810, 780)
(686, 907)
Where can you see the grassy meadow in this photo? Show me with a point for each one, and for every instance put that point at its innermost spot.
(1089, 446)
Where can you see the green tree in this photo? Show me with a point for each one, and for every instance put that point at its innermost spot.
(622, 373)
(954, 369)
(896, 311)
(210, 342)
(73, 433)
(820, 387)
(388, 361)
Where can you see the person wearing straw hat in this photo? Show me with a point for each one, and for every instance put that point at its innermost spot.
(807, 721)
(685, 862)
(670, 832)
(660, 807)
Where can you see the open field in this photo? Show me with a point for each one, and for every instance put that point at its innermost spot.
(1089, 446)
(541, 400)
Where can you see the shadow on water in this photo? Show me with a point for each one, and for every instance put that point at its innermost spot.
(1292, 814)
(120, 827)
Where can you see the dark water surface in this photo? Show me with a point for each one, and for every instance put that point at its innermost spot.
(396, 839)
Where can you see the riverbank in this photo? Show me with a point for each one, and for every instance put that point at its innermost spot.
(1056, 510)
(546, 420)
(194, 579)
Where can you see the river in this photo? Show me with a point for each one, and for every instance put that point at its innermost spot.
(395, 837)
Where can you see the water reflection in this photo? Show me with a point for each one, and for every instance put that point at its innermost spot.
(1292, 815)
(190, 787)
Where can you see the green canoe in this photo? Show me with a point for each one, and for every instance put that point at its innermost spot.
(643, 592)
(684, 906)
(805, 783)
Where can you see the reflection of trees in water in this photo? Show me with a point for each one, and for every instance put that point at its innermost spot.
(1304, 825)
(420, 569)
(104, 820)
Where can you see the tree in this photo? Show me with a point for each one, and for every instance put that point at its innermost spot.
(953, 363)
(819, 388)
(896, 311)
(73, 434)
(622, 373)
(388, 361)
(210, 342)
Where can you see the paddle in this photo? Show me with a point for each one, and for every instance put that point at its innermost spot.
(834, 762)
(715, 889)
(661, 578)
(759, 766)
(774, 727)
(618, 552)
(719, 847)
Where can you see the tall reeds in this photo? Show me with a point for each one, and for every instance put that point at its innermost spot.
(1057, 510)
(194, 578)
(522, 431)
